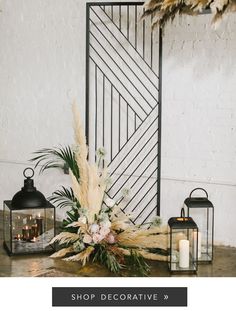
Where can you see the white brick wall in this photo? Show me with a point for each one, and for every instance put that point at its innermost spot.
(199, 118)
(42, 68)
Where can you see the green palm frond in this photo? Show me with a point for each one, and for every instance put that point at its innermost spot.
(72, 216)
(137, 264)
(64, 198)
(107, 258)
(56, 158)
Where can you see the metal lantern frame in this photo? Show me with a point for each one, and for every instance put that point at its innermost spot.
(26, 203)
(204, 204)
(183, 223)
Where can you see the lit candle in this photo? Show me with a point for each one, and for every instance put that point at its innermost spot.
(198, 236)
(184, 253)
(18, 237)
(26, 233)
(39, 222)
(34, 230)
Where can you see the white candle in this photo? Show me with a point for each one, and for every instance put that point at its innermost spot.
(199, 246)
(184, 253)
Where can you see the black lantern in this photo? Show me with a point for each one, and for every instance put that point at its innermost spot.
(202, 210)
(183, 241)
(28, 220)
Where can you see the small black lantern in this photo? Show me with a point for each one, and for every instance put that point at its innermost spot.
(202, 210)
(28, 220)
(183, 235)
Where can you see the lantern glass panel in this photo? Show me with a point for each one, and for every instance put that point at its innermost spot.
(28, 230)
(7, 226)
(183, 258)
(32, 230)
(204, 220)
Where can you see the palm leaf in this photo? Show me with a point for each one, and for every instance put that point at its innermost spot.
(64, 198)
(56, 158)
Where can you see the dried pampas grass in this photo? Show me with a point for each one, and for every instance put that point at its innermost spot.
(165, 10)
(82, 256)
(81, 157)
(65, 238)
(62, 252)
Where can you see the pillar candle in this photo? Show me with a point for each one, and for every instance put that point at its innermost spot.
(26, 233)
(199, 246)
(34, 229)
(39, 222)
(184, 253)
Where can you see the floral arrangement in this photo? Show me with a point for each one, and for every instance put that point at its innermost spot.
(165, 10)
(96, 228)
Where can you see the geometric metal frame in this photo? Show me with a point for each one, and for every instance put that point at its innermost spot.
(91, 7)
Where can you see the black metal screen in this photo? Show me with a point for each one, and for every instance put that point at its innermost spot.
(123, 102)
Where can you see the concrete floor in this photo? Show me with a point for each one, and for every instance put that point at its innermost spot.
(224, 265)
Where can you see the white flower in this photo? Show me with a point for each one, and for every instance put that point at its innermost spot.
(82, 219)
(94, 228)
(101, 152)
(109, 202)
(157, 221)
(97, 238)
(105, 224)
(104, 231)
(87, 239)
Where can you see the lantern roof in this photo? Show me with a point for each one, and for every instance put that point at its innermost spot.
(28, 196)
(198, 202)
(182, 223)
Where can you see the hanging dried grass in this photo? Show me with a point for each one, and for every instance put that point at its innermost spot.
(165, 10)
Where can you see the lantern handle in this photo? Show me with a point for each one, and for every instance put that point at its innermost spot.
(182, 215)
(198, 189)
(27, 169)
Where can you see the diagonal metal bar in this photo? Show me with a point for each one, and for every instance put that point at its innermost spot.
(144, 196)
(131, 44)
(145, 207)
(140, 188)
(116, 51)
(140, 126)
(143, 222)
(153, 72)
(117, 79)
(119, 92)
(136, 143)
(140, 163)
(134, 86)
(113, 84)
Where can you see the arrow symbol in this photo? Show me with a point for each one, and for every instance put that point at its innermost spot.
(166, 297)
